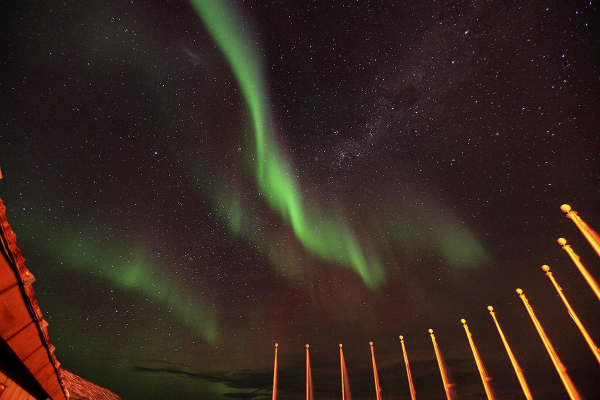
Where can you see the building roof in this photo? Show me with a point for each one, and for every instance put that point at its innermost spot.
(27, 351)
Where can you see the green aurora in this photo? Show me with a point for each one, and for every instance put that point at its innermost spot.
(326, 235)
(126, 265)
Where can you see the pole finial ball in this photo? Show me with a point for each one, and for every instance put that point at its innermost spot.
(370, 343)
(490, 308)
(401, 337)
(307, 346)
(545, 268)
(463, 321)
(562, 241)
(565, 208)
(276, 344)
(431, 331)
(340, 345)
(519, 291)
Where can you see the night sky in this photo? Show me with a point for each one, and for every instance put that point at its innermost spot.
(192, 182)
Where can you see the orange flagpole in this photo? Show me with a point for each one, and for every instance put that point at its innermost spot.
(582, 329)
(588, 278)
(592, 237)
(275, 374)
(438, 356)
(560, 368)
(342, 372)
(377, 387)
(482, 372)
(345, 384)
(309, 388)
(513, 360)
(410, 381)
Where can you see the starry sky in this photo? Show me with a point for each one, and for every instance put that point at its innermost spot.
(193, 181)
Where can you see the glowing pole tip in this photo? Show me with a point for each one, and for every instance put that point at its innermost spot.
(519, 291)
(370, 343)
(592, 237)
(341, 345)
(545, 268)
(562, 241)
(307, 346)
(401, 337)
(490, 308)
(276, 344)
(431, 331)
(463, 321)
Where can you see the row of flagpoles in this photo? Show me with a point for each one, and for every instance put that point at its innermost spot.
(592, 237)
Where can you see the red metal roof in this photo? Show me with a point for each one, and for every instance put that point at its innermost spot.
(23, 329)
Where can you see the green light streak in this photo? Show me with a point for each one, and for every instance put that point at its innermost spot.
(459, 247)
(124, 264)
(419, 230)
(324, 235)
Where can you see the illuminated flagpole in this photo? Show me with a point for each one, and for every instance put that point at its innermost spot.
(345, 384)
(377, 387)
(583, 331)
(275, 374)
(589, 234)
(309, 388)
(482, 372)
(438, 356)
(513, 360)
(307, 371)
(410, 381)
(342, 372)
(560, 368)
(588, 278)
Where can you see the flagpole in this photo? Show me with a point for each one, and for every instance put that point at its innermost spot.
(582, 329)
(560, 368)
(513, 360)
(576, 259)
(441, 365)
(482, 372)
(275, 374)
(307, 371)
(309, 394)
(589, 234)
(342, 372)
(410, 381)
(377, 387)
